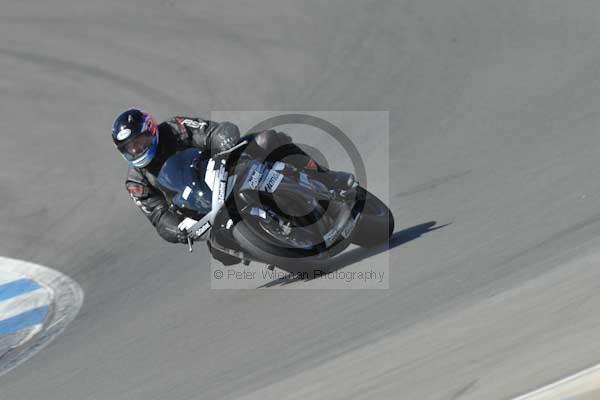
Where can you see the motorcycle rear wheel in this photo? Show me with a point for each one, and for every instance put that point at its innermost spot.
(295, 259)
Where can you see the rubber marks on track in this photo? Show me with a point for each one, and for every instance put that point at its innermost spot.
(36, 304)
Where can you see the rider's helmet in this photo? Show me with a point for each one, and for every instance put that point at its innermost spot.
(135, 133)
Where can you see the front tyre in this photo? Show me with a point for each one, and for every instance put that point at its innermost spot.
(376, 222)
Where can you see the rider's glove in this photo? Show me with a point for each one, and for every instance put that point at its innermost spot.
(224, 137)
(182, 237)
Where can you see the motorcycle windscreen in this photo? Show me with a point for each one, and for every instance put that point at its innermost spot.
(182, 177)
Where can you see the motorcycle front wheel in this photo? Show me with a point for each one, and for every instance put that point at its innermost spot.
(376, 222)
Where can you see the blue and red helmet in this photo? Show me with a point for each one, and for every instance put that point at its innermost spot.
(135, 133)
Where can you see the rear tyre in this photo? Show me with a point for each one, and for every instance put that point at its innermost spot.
(260, 249)
(376, 222)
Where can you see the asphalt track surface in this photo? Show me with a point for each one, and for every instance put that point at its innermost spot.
(494, 130)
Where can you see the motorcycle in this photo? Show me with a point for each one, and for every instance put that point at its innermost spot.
(269, 211)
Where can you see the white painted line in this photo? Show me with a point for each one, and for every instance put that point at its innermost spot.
(25, 302)
(578, 384)
(34, 330)
(6, 277)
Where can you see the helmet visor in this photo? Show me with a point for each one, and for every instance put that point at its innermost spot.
(135, 147)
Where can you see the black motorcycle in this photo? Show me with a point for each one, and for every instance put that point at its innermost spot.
(270, 211)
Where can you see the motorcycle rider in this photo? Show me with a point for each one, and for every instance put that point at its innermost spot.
(146, 145)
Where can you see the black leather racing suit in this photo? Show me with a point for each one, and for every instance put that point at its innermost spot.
(175, 134)
(179, 133)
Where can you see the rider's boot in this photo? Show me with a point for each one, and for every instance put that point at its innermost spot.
(344, 183)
